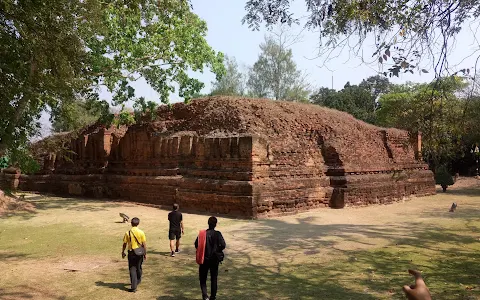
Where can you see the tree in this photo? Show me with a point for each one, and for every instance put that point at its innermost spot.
(232, 82)
(471, 117)
(324, 97)
(159, 41)
(258, 86)
(404, 31)
(143, 109)
(300, 90)
(54, 51)
(443, 177)
(274, 74)
(73, 115)
(470, 97)
(42, 56)
(432, 109)
(377, 85)
(358, 100)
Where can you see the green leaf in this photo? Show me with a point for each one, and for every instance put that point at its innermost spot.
(57, 54)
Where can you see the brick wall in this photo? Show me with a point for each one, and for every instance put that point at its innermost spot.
(293, 177)
(199, 173)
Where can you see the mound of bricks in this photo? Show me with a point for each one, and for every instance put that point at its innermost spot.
(244, 157)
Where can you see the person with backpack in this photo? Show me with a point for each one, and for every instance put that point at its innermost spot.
(137, 253)
(209, 245)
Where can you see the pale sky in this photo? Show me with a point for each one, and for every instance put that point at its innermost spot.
(227, 34)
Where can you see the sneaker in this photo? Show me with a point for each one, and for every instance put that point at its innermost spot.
(173, 254)
(177, 250)
(132, 290)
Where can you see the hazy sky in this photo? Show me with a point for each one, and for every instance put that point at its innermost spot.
(227, 34)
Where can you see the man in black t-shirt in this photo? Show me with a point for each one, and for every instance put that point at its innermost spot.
(213, 255)
(176, 229)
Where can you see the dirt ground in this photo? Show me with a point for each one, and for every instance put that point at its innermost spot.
(11, 205)
(69, 248)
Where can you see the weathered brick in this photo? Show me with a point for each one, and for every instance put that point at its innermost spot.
(253, 158)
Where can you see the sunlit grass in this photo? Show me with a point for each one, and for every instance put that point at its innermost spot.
(70, 249)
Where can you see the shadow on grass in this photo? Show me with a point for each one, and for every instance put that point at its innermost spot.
(277, 235)
(155, 252)
(25, 215)
(464, 212)
(113, 285)
(72, 204)
(448, 273)
(472, 192)
(11, 255)
(250, 281)
(75, 204)
(444, 255)
(27, 292)
(52, 201)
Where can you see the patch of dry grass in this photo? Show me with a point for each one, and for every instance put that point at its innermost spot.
(11, 205)
(70, 249)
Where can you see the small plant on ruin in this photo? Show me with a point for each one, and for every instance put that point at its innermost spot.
(443, 178)
(124, 118)
(145, 110)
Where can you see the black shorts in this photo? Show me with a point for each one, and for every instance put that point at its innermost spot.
(174, 234)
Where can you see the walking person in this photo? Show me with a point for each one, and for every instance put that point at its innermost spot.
(175, 230)
(137, 253)
(209, 245)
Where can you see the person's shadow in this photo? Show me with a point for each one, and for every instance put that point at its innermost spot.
(162, 253)
(113, 285)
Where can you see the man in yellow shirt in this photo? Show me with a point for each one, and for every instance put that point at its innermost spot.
(135, 238)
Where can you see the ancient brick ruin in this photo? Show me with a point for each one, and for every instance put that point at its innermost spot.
(242, 157)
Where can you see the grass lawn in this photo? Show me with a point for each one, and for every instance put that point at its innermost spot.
(70, 248)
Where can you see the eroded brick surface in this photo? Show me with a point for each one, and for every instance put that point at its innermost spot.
(244, 157)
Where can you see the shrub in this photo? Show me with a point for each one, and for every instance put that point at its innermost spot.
(443, 177)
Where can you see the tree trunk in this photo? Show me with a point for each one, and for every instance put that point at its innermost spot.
(444, 187)
(13, 123)
(23, 103)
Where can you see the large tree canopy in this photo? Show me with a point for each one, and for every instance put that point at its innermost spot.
(404, 31)
(358, 100)
(432, 109)
(72, 116)
(57, 50)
